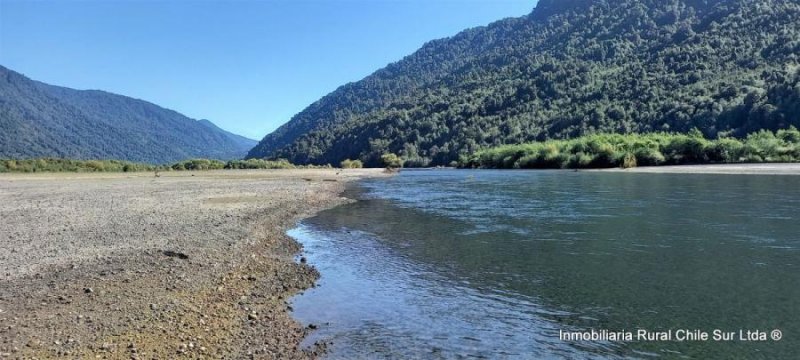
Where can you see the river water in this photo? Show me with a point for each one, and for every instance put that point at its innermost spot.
(501, 264)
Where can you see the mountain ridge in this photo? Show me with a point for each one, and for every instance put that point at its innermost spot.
(566, 69)
(43, 120)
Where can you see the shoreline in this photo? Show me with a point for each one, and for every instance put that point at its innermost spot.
(721, 169)
(132, 266)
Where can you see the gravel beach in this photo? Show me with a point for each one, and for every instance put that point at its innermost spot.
(133, 266)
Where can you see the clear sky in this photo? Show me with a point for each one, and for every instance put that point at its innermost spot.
(248, 66)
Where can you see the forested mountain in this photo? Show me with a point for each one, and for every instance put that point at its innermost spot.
(571, 67)
(41, 120)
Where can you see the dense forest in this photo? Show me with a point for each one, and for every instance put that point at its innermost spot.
(41, 120)
(568, 69)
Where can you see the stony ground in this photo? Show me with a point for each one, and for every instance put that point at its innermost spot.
(186, 265)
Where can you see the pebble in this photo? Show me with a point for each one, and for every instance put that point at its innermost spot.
(265, 292)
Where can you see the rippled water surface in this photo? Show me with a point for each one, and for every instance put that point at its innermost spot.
(493, 264)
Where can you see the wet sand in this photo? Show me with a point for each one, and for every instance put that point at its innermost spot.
(130, 266)
(749, 169)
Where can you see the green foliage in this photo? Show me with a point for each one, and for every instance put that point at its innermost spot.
(259, 164)
(67, 165)
(631, 150)
(391, 161)
(791, 135)
(351, 164)
(629, 161)
(569, 69)
(40, 120)
(199, 164)
(727, 150)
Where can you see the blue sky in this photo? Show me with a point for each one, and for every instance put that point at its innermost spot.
(246, 65)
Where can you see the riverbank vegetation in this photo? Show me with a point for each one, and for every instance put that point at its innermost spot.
(591, 151)
(351, 164)
(630, 150)
(70, 165)
(206, 164)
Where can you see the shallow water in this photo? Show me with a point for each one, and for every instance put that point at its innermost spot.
(493, 264)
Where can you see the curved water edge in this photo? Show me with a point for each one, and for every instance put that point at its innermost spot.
(451, 264)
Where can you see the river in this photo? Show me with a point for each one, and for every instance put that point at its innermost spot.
(501, 264)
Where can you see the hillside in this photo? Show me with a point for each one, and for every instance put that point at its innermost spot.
(41, 120)
(569, 68)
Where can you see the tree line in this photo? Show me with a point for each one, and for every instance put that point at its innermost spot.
(71, 165)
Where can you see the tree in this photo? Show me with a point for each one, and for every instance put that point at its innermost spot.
(351, 164)
(391, 161)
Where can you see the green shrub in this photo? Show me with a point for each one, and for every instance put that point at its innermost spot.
(391, 161)
(646, 156)
(199, 164)
(764, 144)
(604, 156)
(351, 164)
(727, 150)
(259, 164)
(790, 136)
(629, 161)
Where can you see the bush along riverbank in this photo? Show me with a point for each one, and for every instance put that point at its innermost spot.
(70, 165)
(631, 150)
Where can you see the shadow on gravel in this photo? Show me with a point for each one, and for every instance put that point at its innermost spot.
(174, 254)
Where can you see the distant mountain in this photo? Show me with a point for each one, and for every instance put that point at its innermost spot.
(41, 120)
(241, 141)
(571, 67)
